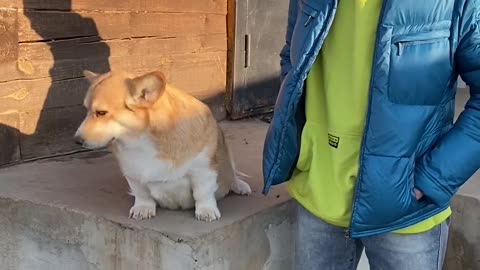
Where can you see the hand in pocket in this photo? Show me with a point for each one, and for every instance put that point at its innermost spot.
(418, 194)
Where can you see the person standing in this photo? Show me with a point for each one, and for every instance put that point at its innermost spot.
(363, 128)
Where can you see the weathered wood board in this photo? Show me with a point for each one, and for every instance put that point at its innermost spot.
(9, 138)
(8, 35)
(202, 75)
(50, 25)
(46, 45)
(71, 56)
(49, 132)
(179, 6)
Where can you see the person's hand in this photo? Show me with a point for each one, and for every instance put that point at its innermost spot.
(418, 194)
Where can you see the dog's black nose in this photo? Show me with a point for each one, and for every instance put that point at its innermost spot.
(78, 140)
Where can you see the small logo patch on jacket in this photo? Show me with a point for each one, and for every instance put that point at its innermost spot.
(333, 140)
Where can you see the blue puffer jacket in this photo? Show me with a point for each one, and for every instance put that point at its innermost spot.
(409, 138)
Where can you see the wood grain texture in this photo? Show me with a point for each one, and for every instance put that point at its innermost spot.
(79, 48)
(50, 25)
(9, 138)
(197, 6)
(231, 24)
(8, 35)
(201, 74)
(9, 3)
(49, 43)
(70, 57)
(52, 134)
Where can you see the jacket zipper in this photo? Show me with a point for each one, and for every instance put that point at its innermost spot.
(365, 126)
(309, 19)
(402, 44)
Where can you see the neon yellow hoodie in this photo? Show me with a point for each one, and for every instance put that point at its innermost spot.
(336, 102)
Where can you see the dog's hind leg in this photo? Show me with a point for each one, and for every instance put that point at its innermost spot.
(204, 185)
(240, 187)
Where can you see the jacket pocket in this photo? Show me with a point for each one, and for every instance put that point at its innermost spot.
(385, 194)
(302, 35)
(308, 14)
(420, 68)
(401, 41)
(434, 190)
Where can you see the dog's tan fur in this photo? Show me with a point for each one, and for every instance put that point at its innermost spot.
(124, 110)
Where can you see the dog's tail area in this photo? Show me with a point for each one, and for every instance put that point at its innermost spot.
(241, 174)
(238, 186)
(241, 187)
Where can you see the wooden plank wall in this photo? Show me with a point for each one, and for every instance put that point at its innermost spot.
(45, 46)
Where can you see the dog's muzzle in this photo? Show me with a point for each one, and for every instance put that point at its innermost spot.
(78, 140)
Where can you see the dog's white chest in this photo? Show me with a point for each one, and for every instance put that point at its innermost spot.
(138, 160)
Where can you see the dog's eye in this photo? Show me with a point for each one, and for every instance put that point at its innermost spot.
(101, 113)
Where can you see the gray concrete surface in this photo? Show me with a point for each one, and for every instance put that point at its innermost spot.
(72, 213)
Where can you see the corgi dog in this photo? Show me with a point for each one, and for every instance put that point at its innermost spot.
(167, 143)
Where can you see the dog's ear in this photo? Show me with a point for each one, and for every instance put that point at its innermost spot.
(91, 76)
(146, 89)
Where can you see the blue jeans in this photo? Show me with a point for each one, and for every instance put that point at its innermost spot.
(321, 246)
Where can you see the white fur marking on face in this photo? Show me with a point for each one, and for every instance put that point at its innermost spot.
(116, 129)
(79, 131)
(106, 133)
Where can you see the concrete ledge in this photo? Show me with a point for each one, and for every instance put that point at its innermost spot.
(71, 213)
(464, 239)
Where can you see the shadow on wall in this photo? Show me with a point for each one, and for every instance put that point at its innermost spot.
(256, 97)
(75, 45)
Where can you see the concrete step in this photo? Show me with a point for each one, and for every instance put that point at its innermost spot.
(72, 213)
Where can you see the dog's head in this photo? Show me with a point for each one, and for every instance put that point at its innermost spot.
(117, 106)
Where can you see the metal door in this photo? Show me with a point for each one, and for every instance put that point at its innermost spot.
(259, 35)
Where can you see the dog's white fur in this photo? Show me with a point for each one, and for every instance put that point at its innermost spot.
(169, 147)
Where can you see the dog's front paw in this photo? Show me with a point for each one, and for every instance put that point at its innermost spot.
(207, 213)
(139, 212)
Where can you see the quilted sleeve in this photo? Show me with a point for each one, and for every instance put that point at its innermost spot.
(285, 63)
(456, 157)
